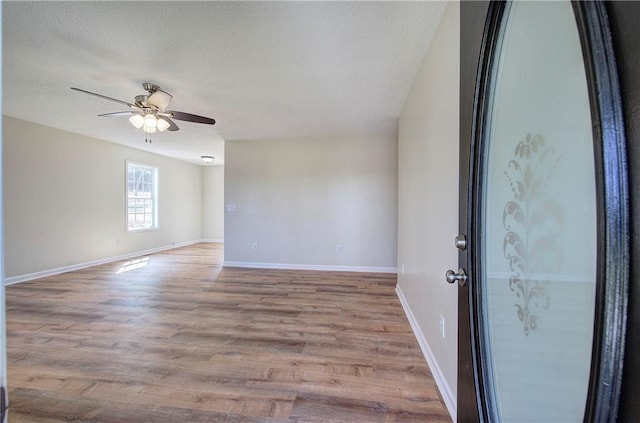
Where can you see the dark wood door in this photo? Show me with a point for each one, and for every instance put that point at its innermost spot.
(472, 22)
(607, 358)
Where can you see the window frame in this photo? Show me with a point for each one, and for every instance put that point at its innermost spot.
(154, 196)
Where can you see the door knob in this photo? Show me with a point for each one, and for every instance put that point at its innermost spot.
(460, 276)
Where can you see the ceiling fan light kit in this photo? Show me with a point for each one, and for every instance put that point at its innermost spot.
(149, 113)
(162, 125)
(150, 121)
(137, 120)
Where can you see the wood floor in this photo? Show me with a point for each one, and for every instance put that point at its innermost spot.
(173, 337)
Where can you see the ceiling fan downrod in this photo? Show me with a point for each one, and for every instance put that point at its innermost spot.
(149, 87)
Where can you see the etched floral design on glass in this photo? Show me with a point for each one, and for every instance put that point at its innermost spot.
(533, 221)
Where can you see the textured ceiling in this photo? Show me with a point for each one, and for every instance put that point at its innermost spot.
(261, 69)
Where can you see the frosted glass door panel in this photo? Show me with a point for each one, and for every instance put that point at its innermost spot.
(538, 220)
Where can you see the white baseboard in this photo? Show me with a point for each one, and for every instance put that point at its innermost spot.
(322, 267)
(448, 395)
(217, 240)
(70, 268)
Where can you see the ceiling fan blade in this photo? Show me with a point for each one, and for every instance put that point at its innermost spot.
(160, 99)
(127, 113)
(189, 117)
(172, 125)
(104, 96)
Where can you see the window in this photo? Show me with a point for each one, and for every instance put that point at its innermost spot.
(142, 197)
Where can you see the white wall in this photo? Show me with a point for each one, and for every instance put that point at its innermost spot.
(64, 197)
(300, 198)
(213, 203)
(428, 201)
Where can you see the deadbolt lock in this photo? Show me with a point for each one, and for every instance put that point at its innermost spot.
(461, 242)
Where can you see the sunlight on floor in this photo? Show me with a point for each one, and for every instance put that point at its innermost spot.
(133, 264)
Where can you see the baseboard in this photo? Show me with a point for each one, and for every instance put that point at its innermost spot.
(217, 240)
(70, 268)
(448, 396)
(321, 267)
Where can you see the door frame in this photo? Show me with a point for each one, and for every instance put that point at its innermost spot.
(611, 190)
(623, 17)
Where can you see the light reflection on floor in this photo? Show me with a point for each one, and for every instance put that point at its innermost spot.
(133, 264)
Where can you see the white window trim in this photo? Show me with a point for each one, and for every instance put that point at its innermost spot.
(155, 197)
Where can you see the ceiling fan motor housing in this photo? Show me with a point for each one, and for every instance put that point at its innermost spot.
(141, 100)
(149, 87)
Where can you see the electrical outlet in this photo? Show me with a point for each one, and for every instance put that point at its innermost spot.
(338, 249)
(402, 269)
(442, 325)
(254, 246)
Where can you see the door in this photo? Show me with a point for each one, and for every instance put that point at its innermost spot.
(544, 219)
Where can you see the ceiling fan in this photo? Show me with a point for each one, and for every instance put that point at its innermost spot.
(149, 110)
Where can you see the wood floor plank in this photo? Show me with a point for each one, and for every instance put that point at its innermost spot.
(174, 337)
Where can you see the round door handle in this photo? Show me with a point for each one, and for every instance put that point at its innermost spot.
(460, 276)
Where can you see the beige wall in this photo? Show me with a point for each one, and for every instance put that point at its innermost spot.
(3, 325)
(213, 203)
(428, 199)
(64, 197)
(300, 198)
